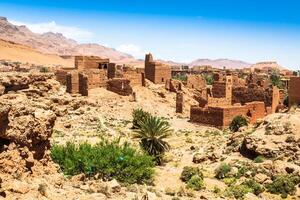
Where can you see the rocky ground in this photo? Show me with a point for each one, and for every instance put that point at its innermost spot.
(35, 113)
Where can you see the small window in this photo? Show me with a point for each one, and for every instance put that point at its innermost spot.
(162, 80)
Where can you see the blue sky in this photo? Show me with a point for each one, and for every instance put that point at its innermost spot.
(181, 31)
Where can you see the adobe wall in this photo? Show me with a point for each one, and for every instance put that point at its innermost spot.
(208, 116)
(96, 78)
(216, 102)
(294, 91)
(162, 74)
(90, 62)
(156, 72)
(223, 116)
(179, 102)
(173, 85)
(120, 86)
(275, 98)
(61, 75)
(196, 82)
(135, 77)
(83, 84)
(256, 110)
(245, 95)
(219, 90)
(149, 68)
(111, 70)
(231, 112)
(72, 82)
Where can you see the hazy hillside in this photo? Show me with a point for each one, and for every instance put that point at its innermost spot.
(220, 63)
(56, 43)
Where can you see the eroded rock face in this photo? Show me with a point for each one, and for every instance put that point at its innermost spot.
(15, 82)
(24, 123)
(277, 136)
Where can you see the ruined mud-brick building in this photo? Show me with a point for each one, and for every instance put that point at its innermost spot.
(195, 82)
(223, 102)
(156, 72)
(294, 91)
(173, 85)
(94, 72)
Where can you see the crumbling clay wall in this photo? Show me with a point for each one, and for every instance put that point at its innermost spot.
(90, 62)
(179, 102)
(120, 86)
(294, 91)
(196, 82)
(173, 85)
(72, 82)
(156, 72)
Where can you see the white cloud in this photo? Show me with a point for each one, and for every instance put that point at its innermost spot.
(132, 49)
(68, 31)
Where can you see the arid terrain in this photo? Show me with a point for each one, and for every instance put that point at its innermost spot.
(87, 122)
(37, 110)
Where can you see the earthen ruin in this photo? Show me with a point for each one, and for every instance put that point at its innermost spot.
(156, 72)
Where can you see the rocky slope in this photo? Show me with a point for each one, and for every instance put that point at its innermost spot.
(56, 43)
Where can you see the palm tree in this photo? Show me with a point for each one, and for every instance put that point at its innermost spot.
(151, 132)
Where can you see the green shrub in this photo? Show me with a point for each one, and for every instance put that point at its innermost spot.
(189, 172)
(255, 187)
(209, 79)
(109, 159)
(259, 159)
(237, 123)
(195, 183)
(284, 185)
(152, 132)
(180, 77)
(276, 79)
(237, 191)
(229, 181)
(139, 115)
(44, 69)
(222, 171)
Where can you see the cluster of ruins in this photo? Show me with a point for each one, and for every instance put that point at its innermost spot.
(246, 92)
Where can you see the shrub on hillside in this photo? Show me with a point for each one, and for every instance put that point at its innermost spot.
(44, 69)
(109, 159)
(139, 115)
(284, 185)
(195, 183)
(237, 191)
(223, 170)
(237, 123)
(188, 172)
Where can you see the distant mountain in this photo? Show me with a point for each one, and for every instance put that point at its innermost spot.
(220, 63)
(56, 43)
(268, 64)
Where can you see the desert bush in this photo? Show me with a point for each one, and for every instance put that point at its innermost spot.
(255, 187)
(259, 159)
(209, 79)
(44, 69)
(276, 79)
(180, 77)
(284, 185)
(188, 172)
(237, 191)
(229, 181)
(237, 123)
(139, 115)
(152, 132)
(108, 159)
(195, 183)
(222, 171)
